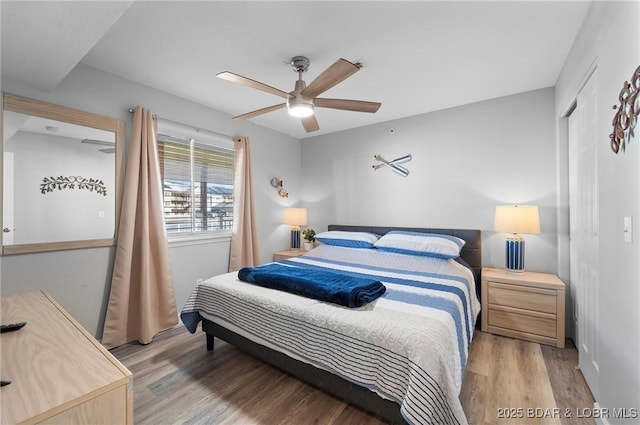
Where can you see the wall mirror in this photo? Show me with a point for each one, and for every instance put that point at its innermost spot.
(61, 177)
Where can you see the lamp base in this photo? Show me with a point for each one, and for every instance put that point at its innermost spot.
(514, 254)
(295, 238)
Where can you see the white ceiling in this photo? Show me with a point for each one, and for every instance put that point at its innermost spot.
(418, 56)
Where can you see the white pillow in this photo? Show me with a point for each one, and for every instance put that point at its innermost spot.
(421, 244)
(348, 239)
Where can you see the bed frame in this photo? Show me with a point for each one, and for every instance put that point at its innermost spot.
(352, 393)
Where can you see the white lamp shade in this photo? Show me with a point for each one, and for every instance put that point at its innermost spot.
(517, 219)
(295, 216)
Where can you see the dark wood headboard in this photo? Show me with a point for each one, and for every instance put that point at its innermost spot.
(471, 252)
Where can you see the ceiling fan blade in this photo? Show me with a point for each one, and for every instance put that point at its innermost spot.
(310, 123)
(235, 78)
(260, 111)
(348, 105)
(336, 73)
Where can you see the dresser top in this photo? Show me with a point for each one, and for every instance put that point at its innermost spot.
(51, 361)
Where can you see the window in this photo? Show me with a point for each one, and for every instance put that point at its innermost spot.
(197, 174)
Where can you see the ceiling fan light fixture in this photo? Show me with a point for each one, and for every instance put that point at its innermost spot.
(300, 108)
(301, 102)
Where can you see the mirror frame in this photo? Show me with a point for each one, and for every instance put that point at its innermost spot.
(87, 119)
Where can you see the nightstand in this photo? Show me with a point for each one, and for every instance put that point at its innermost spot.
(290, 253)
(527, 306)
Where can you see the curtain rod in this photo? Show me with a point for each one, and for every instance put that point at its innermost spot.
(190, 127)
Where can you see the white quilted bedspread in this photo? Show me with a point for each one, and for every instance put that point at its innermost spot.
(409, 346)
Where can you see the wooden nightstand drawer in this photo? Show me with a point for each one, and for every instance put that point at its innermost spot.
(524, 297)
(539, 324)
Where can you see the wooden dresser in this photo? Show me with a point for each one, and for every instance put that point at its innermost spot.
(527, 306)
(60, 374)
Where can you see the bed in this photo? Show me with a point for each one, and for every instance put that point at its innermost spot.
(401, 357)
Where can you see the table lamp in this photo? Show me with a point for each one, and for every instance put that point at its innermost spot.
(516, 219)
(295, 217)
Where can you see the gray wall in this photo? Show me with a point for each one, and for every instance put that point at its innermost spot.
(610, 39)
(466, 160)
(80, 279)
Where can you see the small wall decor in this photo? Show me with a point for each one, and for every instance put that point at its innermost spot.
(626, 116)
(393, 164)
(277, 183)
(72, 182)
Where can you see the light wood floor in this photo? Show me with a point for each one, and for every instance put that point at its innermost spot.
(176, 381)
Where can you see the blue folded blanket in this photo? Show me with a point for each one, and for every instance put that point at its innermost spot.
(337, 288)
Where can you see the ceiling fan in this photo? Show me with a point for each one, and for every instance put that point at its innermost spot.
(303, 99)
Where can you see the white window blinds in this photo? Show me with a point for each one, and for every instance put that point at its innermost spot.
(198, 185)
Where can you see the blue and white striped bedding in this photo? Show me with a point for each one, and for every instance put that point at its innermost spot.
(409, 346)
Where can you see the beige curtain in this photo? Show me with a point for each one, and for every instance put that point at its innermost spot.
(244, 238)
(141, 302)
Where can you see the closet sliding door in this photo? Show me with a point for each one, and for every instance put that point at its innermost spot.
(584, 229)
